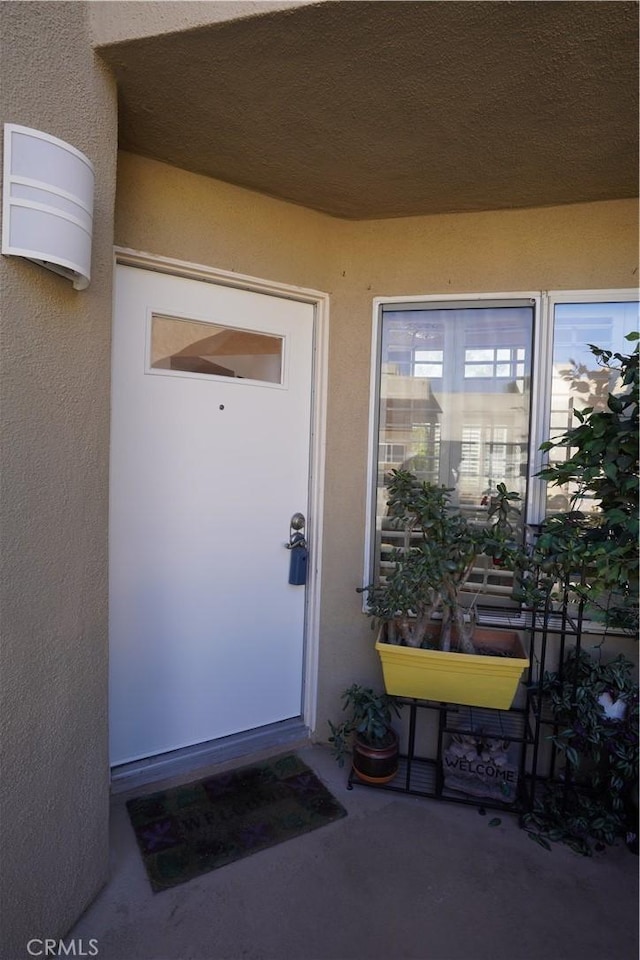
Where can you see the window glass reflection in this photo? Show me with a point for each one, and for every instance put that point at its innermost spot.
(454, 398)
(454, 408)
(190, 346)
(577, 379)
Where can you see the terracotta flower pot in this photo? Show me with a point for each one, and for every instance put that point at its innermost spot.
(376, 764)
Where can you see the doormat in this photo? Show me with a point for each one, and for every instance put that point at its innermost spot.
(198, 827)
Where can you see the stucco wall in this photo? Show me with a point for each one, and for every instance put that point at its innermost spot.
(586, 246)
(166, 211)
(113, 21)
(53, 510)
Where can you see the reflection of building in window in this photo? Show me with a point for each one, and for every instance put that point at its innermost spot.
(438, 378)
(504, 362)
(577, 379)
(498, 461)
(413, 346)
(470, 457)
(488, 458)
(574, 330)
(428, 363)
(452, 409)
(191, 346)
(391, 453)
(409, 426)
(455, 384)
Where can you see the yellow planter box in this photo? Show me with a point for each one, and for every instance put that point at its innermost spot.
(475, 680)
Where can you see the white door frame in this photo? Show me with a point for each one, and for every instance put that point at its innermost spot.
(320, 301)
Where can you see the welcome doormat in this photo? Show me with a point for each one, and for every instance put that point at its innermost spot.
(189, 830)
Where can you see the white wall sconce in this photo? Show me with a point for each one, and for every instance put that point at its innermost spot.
(47, 203)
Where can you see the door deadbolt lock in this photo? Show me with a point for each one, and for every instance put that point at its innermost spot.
(299, 553)
(298, 521)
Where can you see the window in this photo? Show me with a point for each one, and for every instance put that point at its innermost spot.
(181, 346)
(467, 389)
(577, 380)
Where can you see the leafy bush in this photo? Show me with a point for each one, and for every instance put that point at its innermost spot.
(594, 707)
(599, 550)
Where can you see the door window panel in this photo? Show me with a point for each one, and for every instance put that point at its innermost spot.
(190, 346)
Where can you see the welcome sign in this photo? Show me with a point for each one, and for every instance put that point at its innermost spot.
(480, 767)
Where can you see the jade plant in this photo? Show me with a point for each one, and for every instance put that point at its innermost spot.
(432, 566)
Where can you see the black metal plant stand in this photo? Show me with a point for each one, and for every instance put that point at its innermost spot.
(526, 726)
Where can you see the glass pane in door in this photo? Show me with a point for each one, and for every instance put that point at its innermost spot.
(190, 346)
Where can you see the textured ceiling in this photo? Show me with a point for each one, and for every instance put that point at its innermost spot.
(386, 109)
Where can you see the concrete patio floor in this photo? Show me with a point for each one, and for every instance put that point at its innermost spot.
(399, 877)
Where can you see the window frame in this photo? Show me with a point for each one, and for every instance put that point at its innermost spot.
(544, 303)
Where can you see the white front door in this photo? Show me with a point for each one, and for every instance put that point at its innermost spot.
(211, 405)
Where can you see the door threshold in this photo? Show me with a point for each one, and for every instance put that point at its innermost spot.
(188, 760)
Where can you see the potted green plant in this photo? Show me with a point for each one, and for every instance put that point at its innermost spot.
(594, 709)
(367, 734)
(425, 623)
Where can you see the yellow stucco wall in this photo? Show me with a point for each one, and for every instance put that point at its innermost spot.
(587, 246)
(169, 212)
(54, 424)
